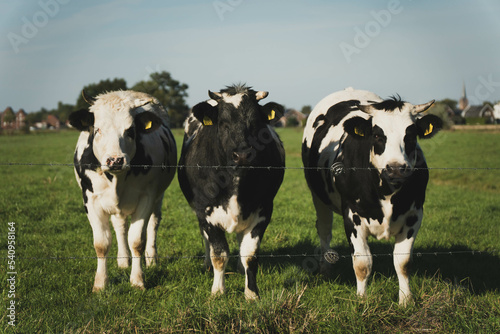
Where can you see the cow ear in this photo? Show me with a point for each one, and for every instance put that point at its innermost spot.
(147, 122)
(272, 112)
(358, 127)
(81, 119)
(206, 113)
(428, 126)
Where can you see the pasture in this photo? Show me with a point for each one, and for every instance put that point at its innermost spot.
(456, 268)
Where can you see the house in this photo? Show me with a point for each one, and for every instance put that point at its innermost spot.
(477, 112)
(292, 118)
(485, 111)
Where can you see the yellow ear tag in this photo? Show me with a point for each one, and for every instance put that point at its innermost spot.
(271, 115)
(359, 132)
(207, 121)
(148, 125)
(429, 129)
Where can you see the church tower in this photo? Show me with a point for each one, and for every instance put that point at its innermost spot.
(463, 102)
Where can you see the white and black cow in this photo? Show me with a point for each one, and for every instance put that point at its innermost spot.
(125, 138)
(372, 172)
(233, 131)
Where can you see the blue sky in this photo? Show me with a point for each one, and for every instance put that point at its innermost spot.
(299, 51)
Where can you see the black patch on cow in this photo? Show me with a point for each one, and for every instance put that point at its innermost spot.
(109, 176)
(141, 163)
(356, 220)
(379, 140)
(390, 104)
(410, 233)
(410, 140)
(88, 161)
(349, 226)
(423, 124)
(339, 111)
(81, 119)
(253, 265)
(320, 181)
(358, 184)
(412, 190)
(411, 220)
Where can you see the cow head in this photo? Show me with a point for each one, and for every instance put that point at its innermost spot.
(239, 121)
(391, 131)
(115, 121)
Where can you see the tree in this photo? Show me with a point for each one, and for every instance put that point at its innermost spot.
(449, 102)
(8, 115)
(103, 86)
(171, 94)
(306, 110)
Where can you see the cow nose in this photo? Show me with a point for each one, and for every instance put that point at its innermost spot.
(396, 171)
(243, 157)
(115, 163)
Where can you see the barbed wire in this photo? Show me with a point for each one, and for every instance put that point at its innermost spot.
(329, 256)
(334, 167)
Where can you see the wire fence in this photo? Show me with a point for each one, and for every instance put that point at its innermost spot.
(334, 167)
(330, 256)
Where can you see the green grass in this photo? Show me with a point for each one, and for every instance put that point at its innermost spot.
(457, 292)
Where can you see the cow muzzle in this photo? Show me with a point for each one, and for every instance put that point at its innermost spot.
(396, 173)
(115, 164)
(243, 157)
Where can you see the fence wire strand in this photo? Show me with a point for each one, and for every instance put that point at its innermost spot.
(261, 256)
(163, 166)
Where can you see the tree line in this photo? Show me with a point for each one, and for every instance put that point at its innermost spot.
(170, 92)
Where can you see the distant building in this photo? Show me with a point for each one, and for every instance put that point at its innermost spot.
(467, 111)
(53, 122)
(291, 117)
(463, 102)
(20, 119)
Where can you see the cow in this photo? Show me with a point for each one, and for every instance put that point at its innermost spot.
(362, 161)
(125, 159)
(231, 167)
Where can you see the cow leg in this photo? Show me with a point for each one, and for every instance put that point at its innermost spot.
(324, 219)
(102, 241)
(120, 226)
(219, 252)
(137, 243)
(361, 256)
(403, 250)
(208, 260)
(151, 254)
(249, 248)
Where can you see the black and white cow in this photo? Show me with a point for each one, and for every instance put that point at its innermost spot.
(372, 172)
(233, 131)
(125, 138)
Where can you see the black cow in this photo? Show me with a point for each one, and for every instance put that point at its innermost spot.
(373, 173)
(233, 132)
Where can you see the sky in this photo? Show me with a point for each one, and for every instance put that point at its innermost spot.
(299, 51)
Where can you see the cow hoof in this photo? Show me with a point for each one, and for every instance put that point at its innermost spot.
(96, 289)
(251, 295)
(137, 282)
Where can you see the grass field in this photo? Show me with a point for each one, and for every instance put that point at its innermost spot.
(456, 279)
